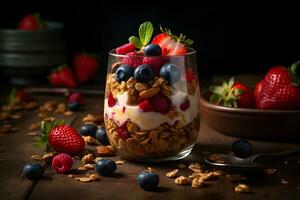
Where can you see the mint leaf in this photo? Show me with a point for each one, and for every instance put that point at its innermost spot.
(145, 32)
(136, 41)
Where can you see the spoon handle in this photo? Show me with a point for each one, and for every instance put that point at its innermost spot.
(274, 155)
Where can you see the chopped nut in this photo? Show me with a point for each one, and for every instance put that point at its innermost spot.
(283, 181)
(31, 105)
(141, 86)
(43, 115)
(89, 166)
(216, 158)
(149, 169)
(68, 113)
(82, 168)
(83, 179)
(88, 118)
(182, 180)
(94, 177)
(32, 134)
(105, 150)
(61, 108)
(98, 119)
(89, 140)
(195, 167)
(97, 159)
(197, 183)
(218, 173)
(120, 162)
(172, 174)
(235, 177)
(34, 126)
(15, 116)
(270, 171)
(89, 158)
(37, 157)
(149, 92)
(242, 188)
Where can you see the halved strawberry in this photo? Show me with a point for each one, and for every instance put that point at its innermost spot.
(170, 44)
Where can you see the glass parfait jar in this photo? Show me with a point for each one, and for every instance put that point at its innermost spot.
(152, 115)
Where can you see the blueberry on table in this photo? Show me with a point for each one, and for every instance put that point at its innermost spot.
(143, 73)
(147, 180)
(101, 136)
(73, 106)
(152, 50)
(88, 129)
(123, 73)
(106, 167)
(33, 171)
(242, 148)
(170, 72)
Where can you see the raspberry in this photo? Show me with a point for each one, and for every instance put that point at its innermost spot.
(189, 76)
(146, 106)
(76, 97)
(133, 59)
(185, 105)
(126, 48)
(111, 100)
(155, 62)
(62, 163)
(123, 132)
(161, 104)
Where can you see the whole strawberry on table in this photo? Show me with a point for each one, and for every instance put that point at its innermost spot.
(278, 90)
(32, 22)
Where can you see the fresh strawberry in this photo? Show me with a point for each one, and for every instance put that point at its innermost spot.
(62, 76)
(161, 104)
(145, 106)
(170, 44)
(232, 94)
(85, 66)
(65, 139)
(31, 22)
(60, 137)
(133, 59)
(123, 133)
(185, 105)
(111, 100)
(190, 75)
(126, 48)
(155, 62)
(257, 91)
(280, 89)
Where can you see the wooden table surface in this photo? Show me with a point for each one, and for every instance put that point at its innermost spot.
(16, 150)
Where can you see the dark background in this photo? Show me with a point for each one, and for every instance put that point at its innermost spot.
(229, 38)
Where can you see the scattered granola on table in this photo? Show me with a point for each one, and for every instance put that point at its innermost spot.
(242, 188)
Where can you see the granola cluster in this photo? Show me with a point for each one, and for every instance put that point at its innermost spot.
(162, 141)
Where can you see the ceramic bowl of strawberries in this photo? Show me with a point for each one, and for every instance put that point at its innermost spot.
(269, 111)
(30, 49)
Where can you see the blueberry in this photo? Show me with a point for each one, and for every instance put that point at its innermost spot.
(170, 72)
(147, 180)
(73, 106)
(242, 148)
(123, 73)
(143, 73)
(152, 50)
(88, 129)
(101, 136)
(33, 171)
(106, 167)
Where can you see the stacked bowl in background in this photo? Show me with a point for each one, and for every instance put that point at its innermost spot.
(28, 56)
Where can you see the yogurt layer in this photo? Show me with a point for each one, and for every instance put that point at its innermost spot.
(121, 112)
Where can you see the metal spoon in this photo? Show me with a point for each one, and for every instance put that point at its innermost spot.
(250, 162)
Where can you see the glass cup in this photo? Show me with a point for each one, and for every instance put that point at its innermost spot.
(152, 116)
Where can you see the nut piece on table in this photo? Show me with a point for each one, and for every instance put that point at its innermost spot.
(270, 171)
(195, 167)
(182, 180)
(105, 150)
(120, 162)
(242, 188)
(89, 140)
(88, 158)
(172, 174)
(197, 183)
